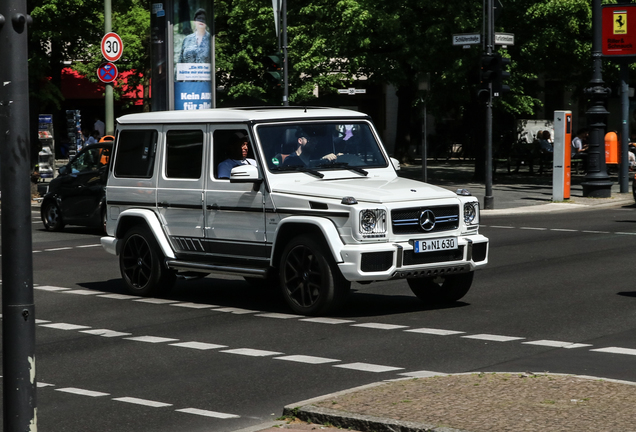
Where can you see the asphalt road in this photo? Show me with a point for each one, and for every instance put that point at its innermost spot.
(218, 355)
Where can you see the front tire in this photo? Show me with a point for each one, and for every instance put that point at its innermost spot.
(141, 264)
(52, 216)
(441, 289)
(310, 280)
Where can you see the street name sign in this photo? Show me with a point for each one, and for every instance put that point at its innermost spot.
(466, 39)
(107, 72)
(504, 39)
(112, 47)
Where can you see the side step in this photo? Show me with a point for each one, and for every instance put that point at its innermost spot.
(255, 272)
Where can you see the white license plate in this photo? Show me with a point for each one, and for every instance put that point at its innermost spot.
(435, 245)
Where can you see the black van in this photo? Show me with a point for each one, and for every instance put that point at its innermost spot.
(76, 195)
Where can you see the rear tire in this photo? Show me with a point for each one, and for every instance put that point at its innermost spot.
(441, 289)
(310, 280)
(141, 264)
(52, 216)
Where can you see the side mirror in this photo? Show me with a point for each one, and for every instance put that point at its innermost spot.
(245, 174)
(395, 163)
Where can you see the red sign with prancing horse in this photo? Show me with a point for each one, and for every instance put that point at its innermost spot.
(619, 30)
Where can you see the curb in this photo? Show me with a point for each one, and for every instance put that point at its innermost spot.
(306, 411)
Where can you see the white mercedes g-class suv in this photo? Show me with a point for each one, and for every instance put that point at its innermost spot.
(312, 203)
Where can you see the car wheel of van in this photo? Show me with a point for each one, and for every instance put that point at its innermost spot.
(141, 264)
(441, 289)
(310, 280)
(52, 216)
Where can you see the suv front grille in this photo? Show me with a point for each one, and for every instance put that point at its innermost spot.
(407, 221)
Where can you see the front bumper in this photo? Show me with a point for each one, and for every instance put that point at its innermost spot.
(109, 244)
(384, 261)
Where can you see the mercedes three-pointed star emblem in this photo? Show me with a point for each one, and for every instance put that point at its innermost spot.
(427, 220)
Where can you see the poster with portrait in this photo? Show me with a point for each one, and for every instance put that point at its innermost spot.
(192, 54)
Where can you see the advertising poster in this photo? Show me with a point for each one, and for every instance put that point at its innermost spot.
(192, 54)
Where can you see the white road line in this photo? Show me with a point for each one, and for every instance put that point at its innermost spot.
(379, 326)
(251, 352)
(563, 229)
(616, 350)
(327, 320)
(237, 311)
(151, 339)
(143, 402)
(155, 301)
(494, 338)
(595, 232)
(279, 315)
(105, 333)
(307, 359)
(198, 345)
(81, 392)
(556, 344)
(368, 367)
(65, 326)
(625, 233)
(42, 384)
(58, 249)
(499, 226)
(207, 413)
(422, 374)
(50, 288)
(433, 331)
(119, 296)
(533, 228)
(40, 321)
(194, 305)
(89, 246)
(83, 292)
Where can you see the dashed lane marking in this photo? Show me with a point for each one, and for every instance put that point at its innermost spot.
(151, 339)
(251, 352)
(144, 402)
(83, 292)
(50, 288)
(493, 338)
(194, 305)
(279, 315)
(307, 359)
(88, 246)
(58, 249)
(559, 229)
(235, 310)
(564, 229)
(368, 367)
(327, 320)
(206, 413)
(198, 345)
(152, 300)
(82, 392)
(439, 332)
(379, 326)
(534, 228)
(616, 350)
(105, 333)
(119, 296)
(556, 344)
(65, 326)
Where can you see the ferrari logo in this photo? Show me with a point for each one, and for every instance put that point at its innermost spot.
(620, 22)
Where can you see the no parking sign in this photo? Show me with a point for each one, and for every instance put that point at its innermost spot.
(107, 72)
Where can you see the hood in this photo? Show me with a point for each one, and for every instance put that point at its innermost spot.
(368, 190)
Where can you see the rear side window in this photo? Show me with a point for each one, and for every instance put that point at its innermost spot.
(184, 154)
(136, 153)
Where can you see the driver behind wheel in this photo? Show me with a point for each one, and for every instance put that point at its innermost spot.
(304, 150)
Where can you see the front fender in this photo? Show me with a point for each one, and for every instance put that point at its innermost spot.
(324, 225)
(131, 217)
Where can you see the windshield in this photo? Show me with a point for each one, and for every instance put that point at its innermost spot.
(320, 146)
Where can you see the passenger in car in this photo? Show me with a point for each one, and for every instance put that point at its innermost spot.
(237, 155)
(303, 153)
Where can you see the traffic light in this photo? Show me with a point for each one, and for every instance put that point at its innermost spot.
(488, 69)
(499, 87)
(274, 69)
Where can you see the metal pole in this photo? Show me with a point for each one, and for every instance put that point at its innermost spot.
(109, 115)
(18, 309)
(213, 66)
(489, 200)
(597, 183)
(624, 164)
(286, 61)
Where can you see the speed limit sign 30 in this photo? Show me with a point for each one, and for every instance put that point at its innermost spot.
(112, 47)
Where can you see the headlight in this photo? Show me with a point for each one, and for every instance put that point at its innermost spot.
(373, 223)
(471, 212)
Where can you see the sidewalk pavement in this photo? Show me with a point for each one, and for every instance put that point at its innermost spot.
(480, 402)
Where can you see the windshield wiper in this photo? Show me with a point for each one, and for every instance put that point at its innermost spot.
(346, 165)
(299, 169)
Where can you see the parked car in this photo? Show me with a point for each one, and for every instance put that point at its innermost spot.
(309, 222)
(76, 195)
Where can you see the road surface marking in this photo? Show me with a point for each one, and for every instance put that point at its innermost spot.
(194, 305)
(88, 246)
(105, 333)
(83, 292)
(422, 374)
(119, 296)
(152, 300)
(327, 320)
(368, 367)
(279, 315)
(251, 352)
(235, 310)
(307, 359)
(198, 345)
(65, 326)
(432, 331)
(50, 288)
(42, 384)
(494, 338)
(81, 392)
(563, 229)
(616, 350)
(207, 413)
(533, 228)
(556, 344)
(58, 249)
(144, 402)
(151, 339)
(379, 326)
(499, 226)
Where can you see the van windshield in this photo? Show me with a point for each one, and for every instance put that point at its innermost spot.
(320, 146)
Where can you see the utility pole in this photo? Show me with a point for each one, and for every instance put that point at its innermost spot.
(489, 200)
(18, 309)
(286, 62)
(109, 114)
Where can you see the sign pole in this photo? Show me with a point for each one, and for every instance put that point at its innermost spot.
(489, 200)
(109, 116)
